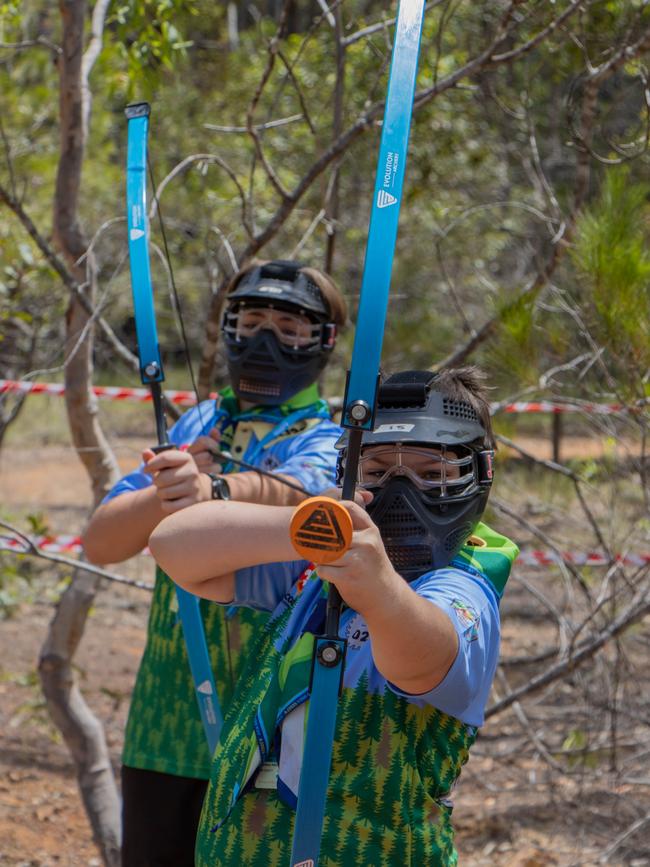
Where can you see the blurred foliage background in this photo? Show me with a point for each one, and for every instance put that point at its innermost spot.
(491, 186)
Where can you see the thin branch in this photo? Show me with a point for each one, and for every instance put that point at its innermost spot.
(534, 41)
(232, 258)
(638, 608)
(525, 723)
(371, 29)
(308, 233)
(299, 93)
(41, 42)
(259, 127)
(549, 465)
(206, 158)
(332, 200)
(107, 224)
(90, 57)
(564, 565)
(605, 858)
(445, 14)
(327, 13)
(10, 165)
(68, 280)
(32, 549)
(273, 49)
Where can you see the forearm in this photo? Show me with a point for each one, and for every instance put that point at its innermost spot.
(120, 528)
(414, 644)
(202, 546)
(252, 487)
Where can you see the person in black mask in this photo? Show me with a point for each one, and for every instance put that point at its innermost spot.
(428, 464)
(279, 330)
(421, 584)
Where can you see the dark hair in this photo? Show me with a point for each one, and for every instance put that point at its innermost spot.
(332, 296)
(466, 384)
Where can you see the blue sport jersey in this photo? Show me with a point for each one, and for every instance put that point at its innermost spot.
(466, 598)
(298, 443)
(164, 730)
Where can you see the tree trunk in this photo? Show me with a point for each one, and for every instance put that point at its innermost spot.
(82, 731)
(81, 404)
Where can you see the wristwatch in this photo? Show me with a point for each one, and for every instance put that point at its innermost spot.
(219, 487)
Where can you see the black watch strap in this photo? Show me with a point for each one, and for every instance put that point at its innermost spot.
(219, 487)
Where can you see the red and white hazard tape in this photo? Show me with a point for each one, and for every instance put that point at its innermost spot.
(557, 408)
(108, 392)
(188, 398)
(72, 545)
(48, 544)
(545, 558)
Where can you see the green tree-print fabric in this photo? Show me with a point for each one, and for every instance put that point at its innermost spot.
(164, 731)
(393, 766)
(394, 763)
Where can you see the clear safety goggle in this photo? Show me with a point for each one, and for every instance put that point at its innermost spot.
(450, 472)
(292, 329)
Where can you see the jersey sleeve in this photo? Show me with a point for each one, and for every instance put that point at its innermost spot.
(471, 605)
(311, 458)
(188, 427)
(263, 587)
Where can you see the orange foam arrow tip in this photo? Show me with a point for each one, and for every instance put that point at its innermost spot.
(321, 530)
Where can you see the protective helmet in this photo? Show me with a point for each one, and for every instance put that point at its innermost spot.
(267, 365)
(424, 514)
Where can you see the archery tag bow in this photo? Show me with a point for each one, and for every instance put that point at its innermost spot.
(358, 415)
(151, 373)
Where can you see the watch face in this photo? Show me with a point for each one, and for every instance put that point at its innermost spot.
(220, 489)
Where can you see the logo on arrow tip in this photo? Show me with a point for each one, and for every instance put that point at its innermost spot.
(205, 688)
(134, 234)
(384, 199)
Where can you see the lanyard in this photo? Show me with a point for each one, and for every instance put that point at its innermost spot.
(280, 428)
(358, 415)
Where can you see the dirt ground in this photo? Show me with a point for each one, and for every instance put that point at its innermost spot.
(509, 810)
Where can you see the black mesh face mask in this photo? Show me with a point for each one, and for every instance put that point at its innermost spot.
(422, 531)
(265, 369)
(428, 471)
(265, 372)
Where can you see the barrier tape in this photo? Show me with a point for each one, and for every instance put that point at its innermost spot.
(530, 557)
(188, 398)
(107, 392)
(576, 558)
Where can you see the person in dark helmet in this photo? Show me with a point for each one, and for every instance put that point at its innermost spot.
(421, 584)
(427, 499)
(279, 330)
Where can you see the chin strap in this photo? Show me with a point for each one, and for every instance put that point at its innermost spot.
(151, 373)
(323, 523)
